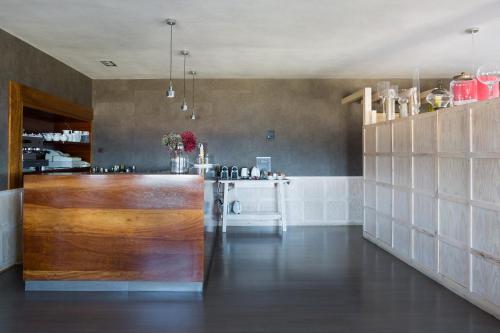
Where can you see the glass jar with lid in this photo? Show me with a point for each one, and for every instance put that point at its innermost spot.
(464, 89)
(439, 97)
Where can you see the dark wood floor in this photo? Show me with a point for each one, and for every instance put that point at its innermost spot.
(316, 279)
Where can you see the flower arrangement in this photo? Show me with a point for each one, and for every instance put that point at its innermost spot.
(172, 141)
(189, 141)
(186, 141)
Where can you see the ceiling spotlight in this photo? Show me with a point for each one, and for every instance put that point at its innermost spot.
(108, 63)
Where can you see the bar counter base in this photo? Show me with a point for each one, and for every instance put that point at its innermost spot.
(112, 286)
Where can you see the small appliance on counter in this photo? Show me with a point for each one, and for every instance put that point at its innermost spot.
(234, 172)
(224, 173)
(255, 173)
(244, 173)
(59, 159)
(236, 207)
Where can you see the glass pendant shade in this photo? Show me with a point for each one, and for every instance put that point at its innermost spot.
(170, 91)
(184, 106)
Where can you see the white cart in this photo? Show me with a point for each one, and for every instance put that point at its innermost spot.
(278, 185)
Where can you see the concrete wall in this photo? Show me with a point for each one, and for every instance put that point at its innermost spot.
(27, 65)
(315, 135)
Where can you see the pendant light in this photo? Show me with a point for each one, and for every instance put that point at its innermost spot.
(193, 115)
(184, 106)
(170, 91)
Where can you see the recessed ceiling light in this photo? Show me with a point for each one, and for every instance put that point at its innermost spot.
(108, 63)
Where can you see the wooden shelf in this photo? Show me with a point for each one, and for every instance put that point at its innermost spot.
(254, 216)
(67, 143)
(63, 170)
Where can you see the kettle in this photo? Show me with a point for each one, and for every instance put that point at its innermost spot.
(255, 173)
(236, 207)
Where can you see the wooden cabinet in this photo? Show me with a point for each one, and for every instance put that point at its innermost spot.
(36, 111)
(432, 196)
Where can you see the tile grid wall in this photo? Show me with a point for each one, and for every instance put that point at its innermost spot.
(432, 196)
(10, 227)
(309, 201)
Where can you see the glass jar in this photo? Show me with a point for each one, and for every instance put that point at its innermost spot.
(403, 103)
(464, 89)
(178, 160)
(439, 97)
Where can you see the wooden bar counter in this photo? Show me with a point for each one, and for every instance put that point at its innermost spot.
(113, 232)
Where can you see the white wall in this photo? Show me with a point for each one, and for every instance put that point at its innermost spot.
(309, 201)
(10, 227)
(432, 196)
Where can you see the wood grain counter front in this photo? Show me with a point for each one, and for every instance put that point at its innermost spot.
(120, 227)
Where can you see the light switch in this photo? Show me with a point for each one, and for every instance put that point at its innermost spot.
(270, 135)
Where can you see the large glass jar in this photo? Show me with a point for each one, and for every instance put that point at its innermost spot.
(464, 89)
(439, 97)
(178, 160)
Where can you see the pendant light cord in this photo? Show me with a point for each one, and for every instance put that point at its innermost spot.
(193, 92)
(472, 54)
(185, 56)
(171, 46)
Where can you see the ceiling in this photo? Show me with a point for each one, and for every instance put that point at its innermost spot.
(260, 38)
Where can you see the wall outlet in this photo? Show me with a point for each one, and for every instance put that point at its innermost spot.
(270, 135)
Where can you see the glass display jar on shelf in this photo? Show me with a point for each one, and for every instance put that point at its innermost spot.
(464, 89)
(439, 97)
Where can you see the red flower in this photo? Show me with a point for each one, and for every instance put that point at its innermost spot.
(189, 141)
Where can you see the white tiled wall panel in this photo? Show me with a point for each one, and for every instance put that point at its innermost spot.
(384, 169)
(370, 224)
(486, 231)
(402, 239)
(454, 263)
(485, 125)
(424, 134)
(370, 194)
(324, 200)
(308, 201)
(453, 176)
(384, 229)
(370, 167)
(402, 137)
(384, 200)
(452, 129)
(486, 175)
(454, 221)
(384, 139)
(370, 142)
(486, 281)
(445, 195)
(402, 171)
(10, 227)
(423, 173)
(402, 205)
(424, 209)
(424, 250)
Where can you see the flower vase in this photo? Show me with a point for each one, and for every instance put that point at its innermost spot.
(178, 162)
